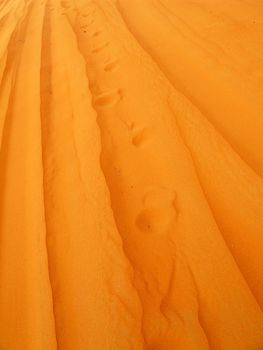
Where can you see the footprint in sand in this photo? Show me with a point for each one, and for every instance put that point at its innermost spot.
(140, 137)
(111, 66)
(100, 47)
(159, 213)
(108, 98)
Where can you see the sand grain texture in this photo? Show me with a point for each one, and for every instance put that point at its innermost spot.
(131, 164)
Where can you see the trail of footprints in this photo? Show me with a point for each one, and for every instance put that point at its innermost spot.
(158, 213)
(112, 97)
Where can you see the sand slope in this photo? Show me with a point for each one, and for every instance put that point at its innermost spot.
(131, 163)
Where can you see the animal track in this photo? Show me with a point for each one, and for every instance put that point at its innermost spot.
(109, 67)
(96, 34)
(108, 98)
(159, 213)
(99, 48)
(130, 125)
(140, 137)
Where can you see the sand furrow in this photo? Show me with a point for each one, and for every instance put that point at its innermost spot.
(238, 33)
(235, 188)
(91, 264)
(151, 197)
(131, 193)
(108, 100)
(11, 50)
(24, 272)
(185, 65)
(246, 187)
(45, 88)
(9, 23)
(5, 92)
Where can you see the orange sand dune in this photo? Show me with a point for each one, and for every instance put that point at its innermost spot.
(131, 164)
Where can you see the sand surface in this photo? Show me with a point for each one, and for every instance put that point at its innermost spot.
(131, 165)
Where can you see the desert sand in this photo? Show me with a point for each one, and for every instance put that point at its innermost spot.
(131, 164)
